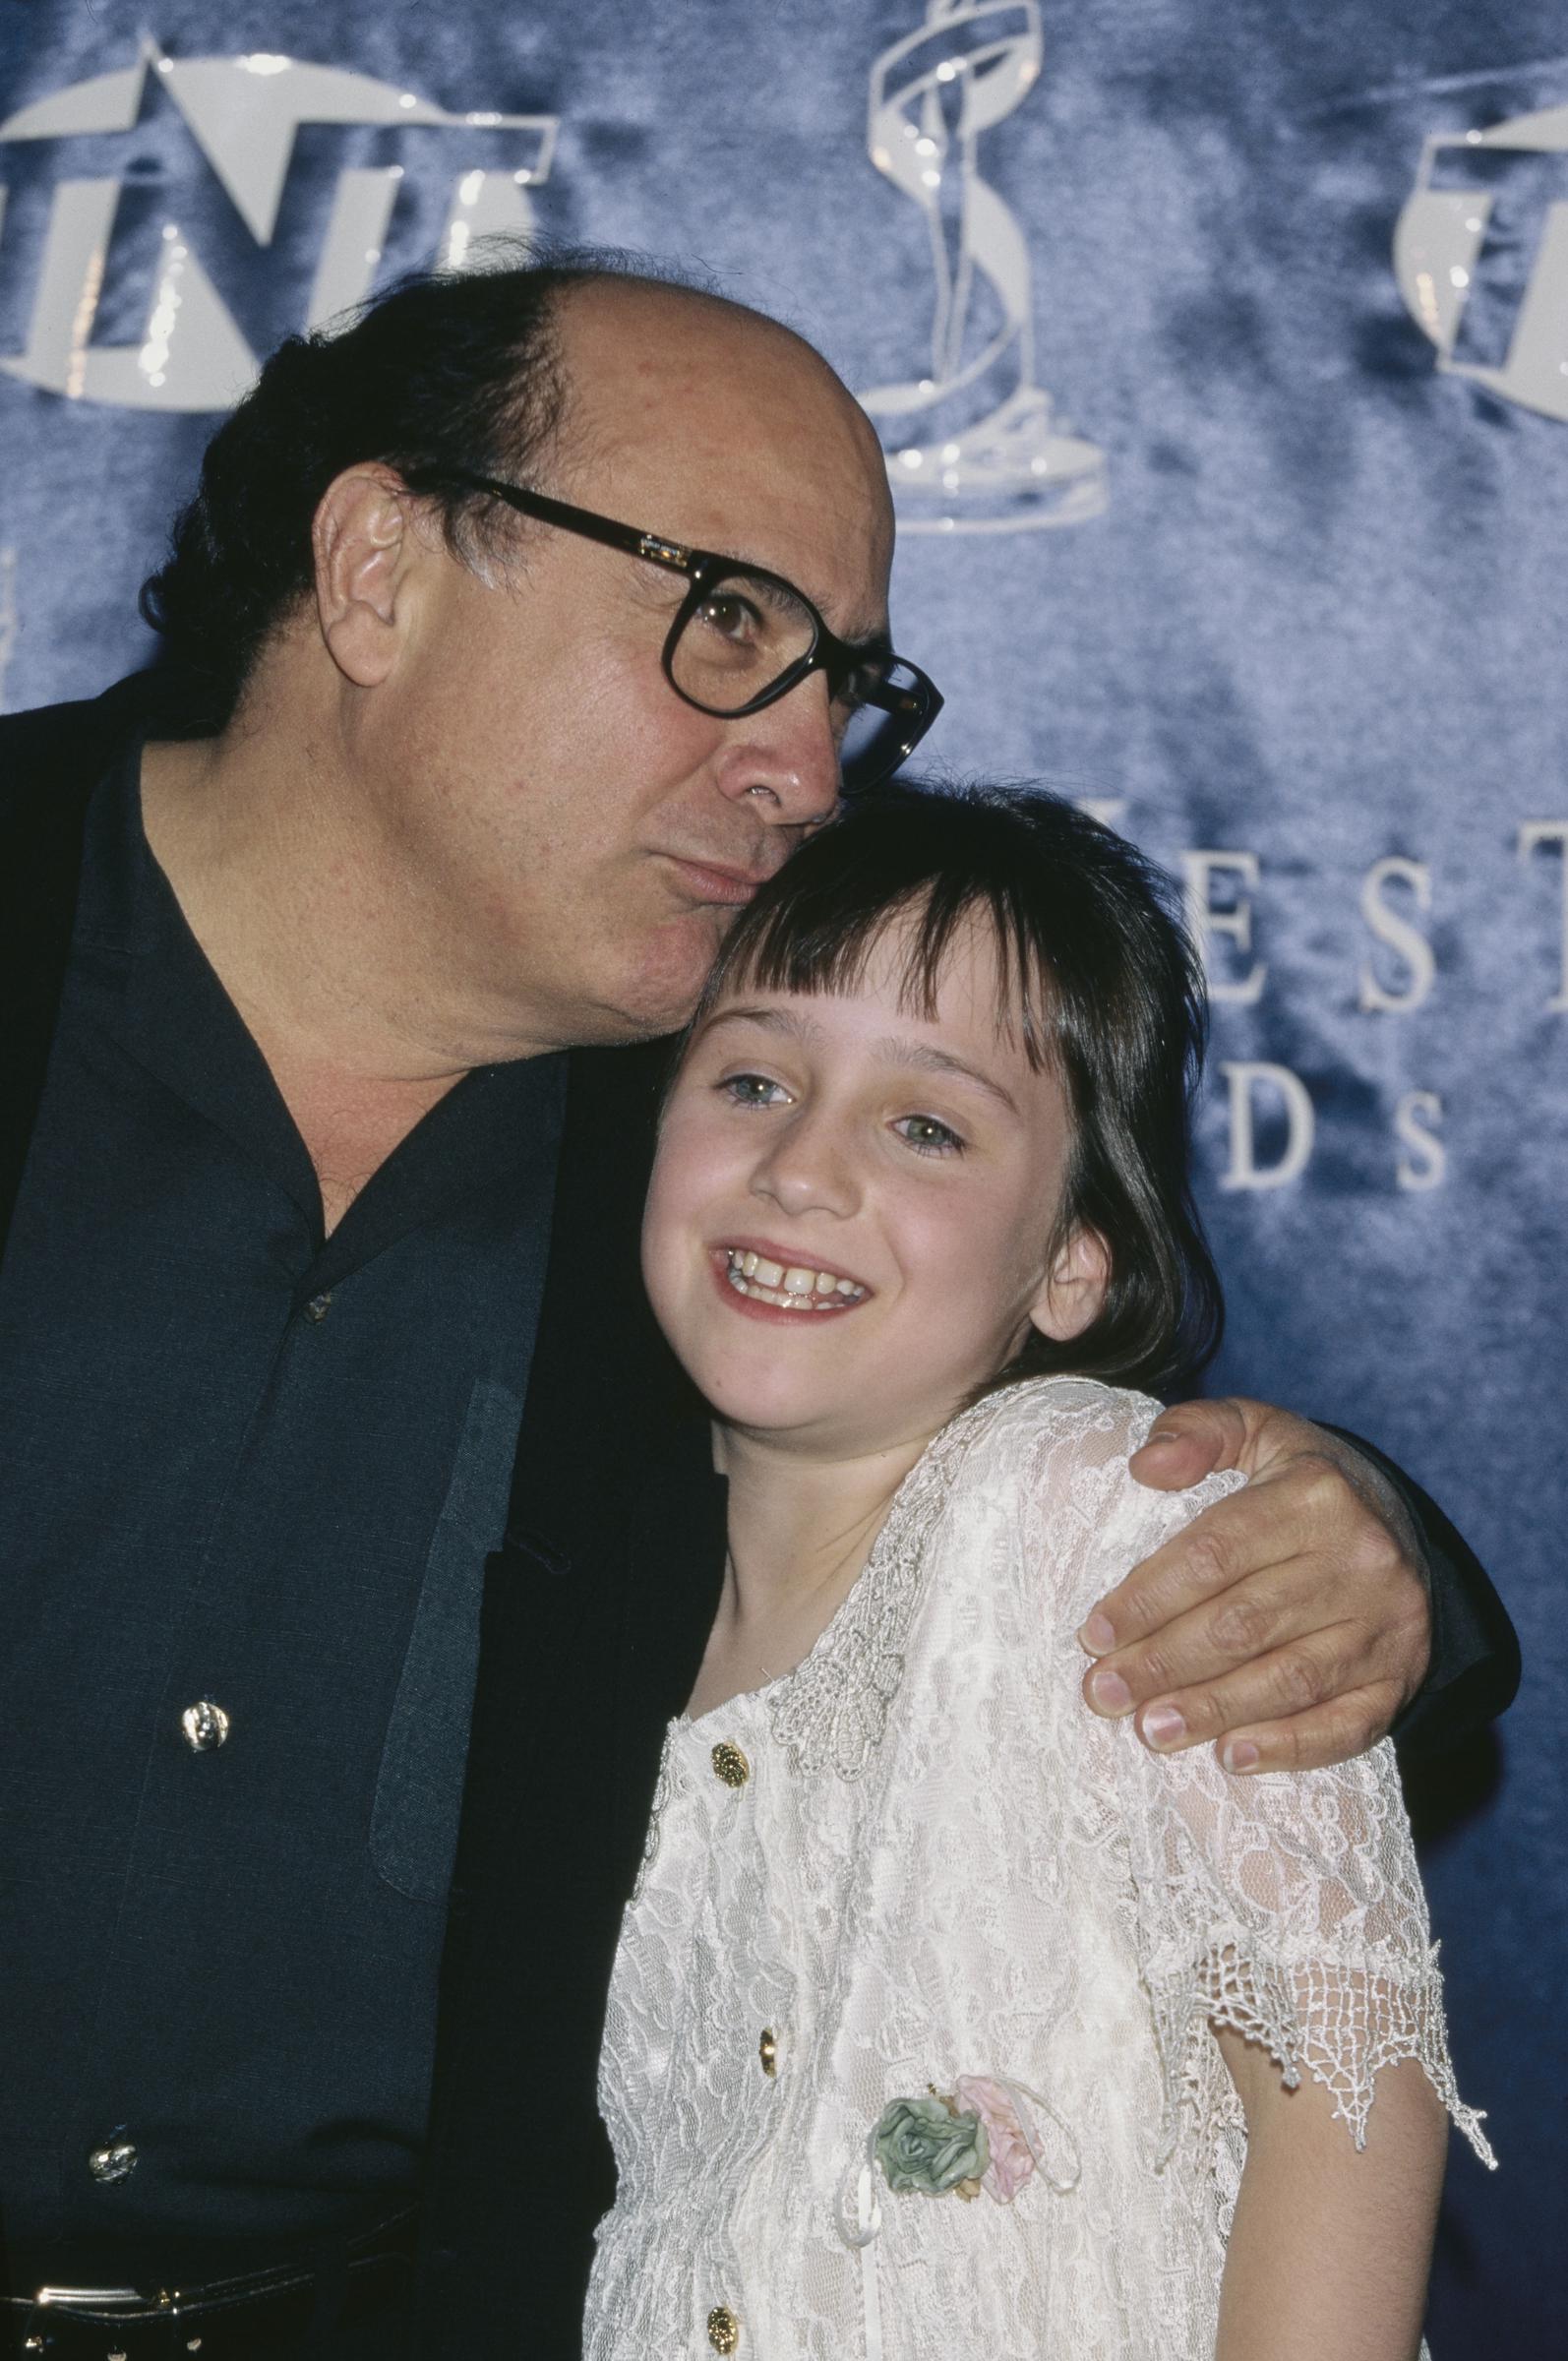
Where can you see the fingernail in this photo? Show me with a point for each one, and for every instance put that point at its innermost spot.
(1110, 1692)
(1241, 1755)
(1097, 1635)
(1153, 1441)
(1163, 1726)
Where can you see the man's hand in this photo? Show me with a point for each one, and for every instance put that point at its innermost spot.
(1288, 1622)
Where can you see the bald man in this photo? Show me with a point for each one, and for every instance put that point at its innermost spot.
(334, 1679)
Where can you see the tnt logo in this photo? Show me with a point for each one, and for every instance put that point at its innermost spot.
(1482, 256)
(163, 225)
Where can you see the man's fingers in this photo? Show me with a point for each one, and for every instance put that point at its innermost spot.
(1310, 1742)
(1185, 1693)
(1255, 1621)
(1302, 1524)
(1309, 1671)
(1194, 1566)
(1188, 1443)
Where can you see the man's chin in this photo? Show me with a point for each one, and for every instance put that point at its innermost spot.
(653, 999)
(662, 990)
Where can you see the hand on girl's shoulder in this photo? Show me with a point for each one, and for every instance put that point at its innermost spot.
(1051, 1456)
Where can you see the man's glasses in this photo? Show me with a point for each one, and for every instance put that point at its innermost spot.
(744, 637)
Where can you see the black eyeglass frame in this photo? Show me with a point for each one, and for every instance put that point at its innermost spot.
(917, 696)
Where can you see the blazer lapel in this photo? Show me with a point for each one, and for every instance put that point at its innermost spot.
(597, 1608)
(595, 1612)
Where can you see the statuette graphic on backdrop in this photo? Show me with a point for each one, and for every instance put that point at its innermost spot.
(164, 224)
(1480, 253)
(974, 444)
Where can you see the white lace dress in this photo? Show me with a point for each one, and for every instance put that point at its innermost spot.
(919, 1856)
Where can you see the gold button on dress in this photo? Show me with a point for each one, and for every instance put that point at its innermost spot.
(730, 1764)
(724, 2329)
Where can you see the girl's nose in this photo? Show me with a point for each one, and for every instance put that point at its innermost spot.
(808, 1170)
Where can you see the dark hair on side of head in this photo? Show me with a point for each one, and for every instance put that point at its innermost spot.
(1105, 988)
(445, 369)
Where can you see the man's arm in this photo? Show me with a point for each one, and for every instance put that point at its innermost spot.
(1473, 1674)
(1297, 1622)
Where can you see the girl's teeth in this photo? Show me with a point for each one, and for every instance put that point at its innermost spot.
(753, 1274)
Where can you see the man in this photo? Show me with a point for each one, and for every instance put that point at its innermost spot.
(309, 1195)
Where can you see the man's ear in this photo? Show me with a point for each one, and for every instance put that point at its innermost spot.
(1074, 1289)
(363, 542)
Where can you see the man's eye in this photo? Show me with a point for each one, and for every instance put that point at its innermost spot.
(753, 1090)
(928, 1136)
(730, 615)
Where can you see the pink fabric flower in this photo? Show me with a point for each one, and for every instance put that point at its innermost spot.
(1011, 2157)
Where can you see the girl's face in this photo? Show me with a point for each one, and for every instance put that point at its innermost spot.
(851, 1206)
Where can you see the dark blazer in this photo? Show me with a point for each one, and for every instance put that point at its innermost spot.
(595, 1610)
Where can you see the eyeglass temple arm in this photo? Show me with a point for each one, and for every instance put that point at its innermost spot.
(919, 696)
(572, 519)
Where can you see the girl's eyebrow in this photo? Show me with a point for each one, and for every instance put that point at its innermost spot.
(774, 1020)
(764, 1013)
(927, 1058)
(923, 1057)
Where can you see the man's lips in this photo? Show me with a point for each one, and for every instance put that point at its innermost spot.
(717, 881)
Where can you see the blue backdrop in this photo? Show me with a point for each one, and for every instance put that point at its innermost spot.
(1221, 354)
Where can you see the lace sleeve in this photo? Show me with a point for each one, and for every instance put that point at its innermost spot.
(1286, 1906)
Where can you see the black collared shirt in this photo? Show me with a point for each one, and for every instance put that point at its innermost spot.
(248, 1481)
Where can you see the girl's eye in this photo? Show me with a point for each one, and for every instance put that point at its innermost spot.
(928, 1136)
(753, 1090)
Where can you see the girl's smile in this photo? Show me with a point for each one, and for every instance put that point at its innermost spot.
(758, 1273)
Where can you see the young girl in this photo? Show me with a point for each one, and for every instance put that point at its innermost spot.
(948, 2020)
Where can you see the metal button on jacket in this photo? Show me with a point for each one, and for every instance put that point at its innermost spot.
(114, 2161)
(730, 1764)
(768, 2050)
(206, 1725)
(724, 2329)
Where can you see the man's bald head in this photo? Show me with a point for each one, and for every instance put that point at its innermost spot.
(641, 360)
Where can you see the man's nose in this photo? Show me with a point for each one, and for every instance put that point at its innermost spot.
(786, 757)
(809, 1168)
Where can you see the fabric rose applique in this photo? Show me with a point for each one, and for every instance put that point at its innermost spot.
(964, 2141)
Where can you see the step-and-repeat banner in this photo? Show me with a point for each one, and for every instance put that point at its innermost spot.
(1221, 357)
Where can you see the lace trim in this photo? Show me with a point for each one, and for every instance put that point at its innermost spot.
(1338, 2023)
(830, 1713)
